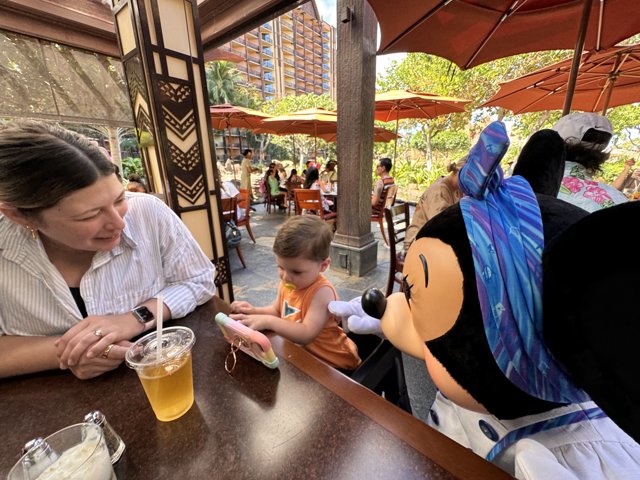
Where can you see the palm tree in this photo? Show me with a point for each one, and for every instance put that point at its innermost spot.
(222, 78)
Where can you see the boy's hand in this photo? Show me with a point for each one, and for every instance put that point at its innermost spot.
(257, 322)
(241, 307)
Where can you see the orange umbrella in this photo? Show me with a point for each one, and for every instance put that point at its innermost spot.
(605, 79)
(397, 104)
(379, 135)
(232, 116)
(471, 32)
(311, 121)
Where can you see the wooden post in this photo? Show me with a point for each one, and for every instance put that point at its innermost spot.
(354, 249)
(164, 66)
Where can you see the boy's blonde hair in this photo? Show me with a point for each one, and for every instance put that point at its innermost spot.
(305, 236)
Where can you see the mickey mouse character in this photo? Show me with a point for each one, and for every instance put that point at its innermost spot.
(519, 367)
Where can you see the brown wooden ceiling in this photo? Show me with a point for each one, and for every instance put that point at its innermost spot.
(88, 24)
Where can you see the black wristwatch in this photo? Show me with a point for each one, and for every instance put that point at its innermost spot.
(143, 315)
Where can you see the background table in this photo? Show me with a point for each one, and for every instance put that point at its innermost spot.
(303, 420)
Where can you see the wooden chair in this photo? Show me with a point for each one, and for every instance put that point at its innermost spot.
(290, 199)
(310, 201)
(229, 208)
(387, 200)
(244, 203)
(397, 219)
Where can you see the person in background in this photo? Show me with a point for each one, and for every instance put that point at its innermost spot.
(294, 177)
(628, 179)
(312, 182)
(273, 184)
(586, 136)
(300, 311)
(329, 176)
(135, 184)
(82, 260)
(441, 194)
(384, 182)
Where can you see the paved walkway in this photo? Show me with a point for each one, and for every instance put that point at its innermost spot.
(257, 284)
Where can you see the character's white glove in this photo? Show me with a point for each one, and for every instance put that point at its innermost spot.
(354, 319)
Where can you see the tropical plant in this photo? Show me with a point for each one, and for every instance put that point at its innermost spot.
(222, 80)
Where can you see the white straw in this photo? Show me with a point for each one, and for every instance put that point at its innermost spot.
(159, 312)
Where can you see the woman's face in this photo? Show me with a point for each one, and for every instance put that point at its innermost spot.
(90, 219)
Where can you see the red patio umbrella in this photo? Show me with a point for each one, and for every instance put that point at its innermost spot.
(226, 116)
(397, 104)
(471, 32)
(379, 135)
(605, 79)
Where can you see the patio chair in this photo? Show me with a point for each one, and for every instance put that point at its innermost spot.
(387, 200)
(310, 201)
(397, 219)
(244, 204)
(229, 208)
(290, 199)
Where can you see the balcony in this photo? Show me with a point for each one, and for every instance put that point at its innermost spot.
(266, 38)
(268, 64)
(253, 58)
(290, 84)
(267, 51)
(253, 45)
(254, 73)
(286, 36)
(287, 49)
(288, 61)
(325, 66)
(266, 26)
(268, 76)
(289, 73)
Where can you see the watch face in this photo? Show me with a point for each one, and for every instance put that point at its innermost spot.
(144, 314)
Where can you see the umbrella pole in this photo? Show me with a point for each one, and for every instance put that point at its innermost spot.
(612, 82)
(395, 142)
(577, 55)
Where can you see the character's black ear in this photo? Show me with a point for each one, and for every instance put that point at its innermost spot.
(541, 162)
(592, 310)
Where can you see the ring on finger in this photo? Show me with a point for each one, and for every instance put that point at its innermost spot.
(98, 332)
(105, 352)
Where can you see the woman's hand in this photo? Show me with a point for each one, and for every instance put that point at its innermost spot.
(240, 306)
(90, 337)
(109, 359)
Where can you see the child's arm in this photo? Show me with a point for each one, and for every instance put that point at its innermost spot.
(242, 307)
(300, 332)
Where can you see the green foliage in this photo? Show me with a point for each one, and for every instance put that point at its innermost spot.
(223, 78)
(132, 165)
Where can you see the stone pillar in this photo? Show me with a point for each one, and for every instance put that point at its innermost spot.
(354, 249)
(163, 62)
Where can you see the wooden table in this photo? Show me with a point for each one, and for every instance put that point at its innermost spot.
(303, 420)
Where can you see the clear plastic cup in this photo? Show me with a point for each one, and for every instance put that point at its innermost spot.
(167, 378)
(77, 452)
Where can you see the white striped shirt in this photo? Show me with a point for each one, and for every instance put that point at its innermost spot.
(157, 254)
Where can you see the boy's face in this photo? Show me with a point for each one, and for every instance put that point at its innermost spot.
(299, 271)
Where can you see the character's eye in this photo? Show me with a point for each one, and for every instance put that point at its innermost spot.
(426, 270)
(406, 288)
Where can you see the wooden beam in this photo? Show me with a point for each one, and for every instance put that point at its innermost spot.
(85, 25)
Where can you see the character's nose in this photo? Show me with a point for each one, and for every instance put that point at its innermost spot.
(374, 303)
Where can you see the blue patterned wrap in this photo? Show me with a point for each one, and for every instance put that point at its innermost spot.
(504, 226)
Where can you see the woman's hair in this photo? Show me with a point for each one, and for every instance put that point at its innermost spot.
(306, 236)
(587, 153)
(293, 173)
(312, 176)
(455, 167)
(134, 177)
(42, 163)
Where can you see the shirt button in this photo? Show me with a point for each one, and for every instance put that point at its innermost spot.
(488, 431)
(434, 417)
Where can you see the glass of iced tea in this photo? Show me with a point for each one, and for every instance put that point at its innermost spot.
(165, 372)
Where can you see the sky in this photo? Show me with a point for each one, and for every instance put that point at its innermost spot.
(327, 9)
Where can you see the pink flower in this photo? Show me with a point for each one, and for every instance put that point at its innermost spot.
(572, 183)
(597, 194)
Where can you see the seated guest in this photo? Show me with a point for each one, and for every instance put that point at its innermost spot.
(384, 182)
(294, 177)
(441, 194)
(312, 182)
(273, 184)
(329, 176)
(300, 311)
(135, 184)
(586, 137)
(82, 260)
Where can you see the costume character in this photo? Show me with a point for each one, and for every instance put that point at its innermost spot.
(532, 379)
